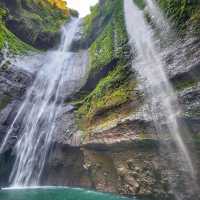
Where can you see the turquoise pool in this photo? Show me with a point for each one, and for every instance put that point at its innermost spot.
(55, 193)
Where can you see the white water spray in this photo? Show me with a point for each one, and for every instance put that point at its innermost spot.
(38, 113)
(157, 16)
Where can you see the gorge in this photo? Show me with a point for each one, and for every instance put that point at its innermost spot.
(109, 102)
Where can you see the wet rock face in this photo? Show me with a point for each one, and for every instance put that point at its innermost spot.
(6, 163)
(13, 85)
(190, 101)
(117, 160)
(132, 168)
(125, 172)
(65, 166)
(184, 73)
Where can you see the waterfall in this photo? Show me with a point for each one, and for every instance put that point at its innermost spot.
(38, 112)
(157, 88)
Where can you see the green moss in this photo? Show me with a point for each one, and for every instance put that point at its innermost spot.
(111, 43)
(89, 19)
(33, 17)
(140, 3)
(101, 51)
(112, 91)
(110, 48)
(196, 139)
(183, 13)
(41, 12)
(194, 21)
(4, 102)
(97, 13)
(180, 85)
(121, 48)
(7, 38)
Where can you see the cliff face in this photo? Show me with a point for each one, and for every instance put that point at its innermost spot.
(119, 150)
(24, 26)
(112, 144)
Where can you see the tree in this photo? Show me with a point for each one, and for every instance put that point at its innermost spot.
(60, 4)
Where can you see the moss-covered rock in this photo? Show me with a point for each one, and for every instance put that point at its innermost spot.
(7, 38)
(111, 83)
(4, 101)
(35, 22)
(112, 91)
(184, 14)
(140, 3)
(110, 47)
(94, 23)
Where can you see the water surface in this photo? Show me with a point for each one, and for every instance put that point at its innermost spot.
(56, 193)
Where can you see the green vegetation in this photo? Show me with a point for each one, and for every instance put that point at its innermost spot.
(116, 88)
(140, 3)
(73, 13)
(101, 51)
(112, 91)
(35, 22)
(89, 19)
(184, 13)
(120, 39)
(112, 42)
(180, 85)
(4, 102)
(44, 14)
(15, 45)
(196, 139)
(97, 13)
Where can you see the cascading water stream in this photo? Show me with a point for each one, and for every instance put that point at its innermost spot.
(158, 17)
(160, 95)
(38, 113)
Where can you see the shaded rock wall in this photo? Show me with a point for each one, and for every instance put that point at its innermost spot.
(13, 85)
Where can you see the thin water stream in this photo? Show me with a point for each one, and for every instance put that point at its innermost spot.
(160, 95)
